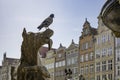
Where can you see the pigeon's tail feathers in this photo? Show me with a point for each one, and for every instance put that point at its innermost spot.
(39, 27)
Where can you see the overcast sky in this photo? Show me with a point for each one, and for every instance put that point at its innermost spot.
(67, 25)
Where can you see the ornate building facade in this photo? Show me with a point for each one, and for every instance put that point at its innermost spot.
(86, 49)
(7, 65)
(72, 53)
(104, 53)
(50, 63)
(117, 59)
(60, 63)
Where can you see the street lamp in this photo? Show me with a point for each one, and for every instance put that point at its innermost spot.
(68, 73)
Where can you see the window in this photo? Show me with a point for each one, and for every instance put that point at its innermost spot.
(104, 77)
(86, 69)
(81, 70)
(86, 31)
(118, 70)
(60, 64)
(68, 61)
(109, 64)
(97, 52)
(103, 38)
(82, 58)
(117, 42)
(63, 63)
(104, 66)
(86, 45)
(76, 59)
(82, 47)
(98, 40)
(109, 51)
(104, 52)
(91, 56)
(98, 67)
(75, 70)
(86, 57)
(56, 64)
(98, 77)
(73, 62)
(91, 68)
(118, 54)
(110, 76)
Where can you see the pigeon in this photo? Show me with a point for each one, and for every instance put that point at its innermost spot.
(46, 22)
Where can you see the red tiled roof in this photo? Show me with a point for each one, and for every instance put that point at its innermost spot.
(43, 51)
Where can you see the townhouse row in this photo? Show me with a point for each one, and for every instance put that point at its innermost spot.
(95, 57)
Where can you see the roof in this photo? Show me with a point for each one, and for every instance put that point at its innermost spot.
(11, 59)
(43, 50)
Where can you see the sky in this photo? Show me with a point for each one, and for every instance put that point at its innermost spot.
(69, 18)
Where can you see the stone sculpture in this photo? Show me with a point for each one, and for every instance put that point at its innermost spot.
(28, 69)
(110, 15)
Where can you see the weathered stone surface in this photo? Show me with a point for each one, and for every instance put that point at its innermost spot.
(30, 46)
(37, 72)
(111, 16)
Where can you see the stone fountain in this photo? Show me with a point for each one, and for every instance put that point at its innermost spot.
(28, 69)
(110, 14)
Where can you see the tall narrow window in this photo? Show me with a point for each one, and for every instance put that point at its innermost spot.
(118, 70)
(98, 77)
(86, 69)
(109, 64)
(110, 76)
(81, 70)
(104, 52)
(91, 68)
(86, 57)
(104, 66)
(98, 67)
(97, 53)
(91, 56)
(82, 58)
(109, 51)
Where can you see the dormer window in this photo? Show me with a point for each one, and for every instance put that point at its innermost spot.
(86, 31)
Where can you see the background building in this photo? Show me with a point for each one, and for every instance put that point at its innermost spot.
(50, 63)
(72, 59)
(86, 47)
(60, 63)
(7, 64)
(104, 53)
(117, 59)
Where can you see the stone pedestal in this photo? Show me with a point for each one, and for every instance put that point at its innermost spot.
(35, 73)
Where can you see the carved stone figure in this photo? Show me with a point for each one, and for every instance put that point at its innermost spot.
(28, 69)
(110, 15)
